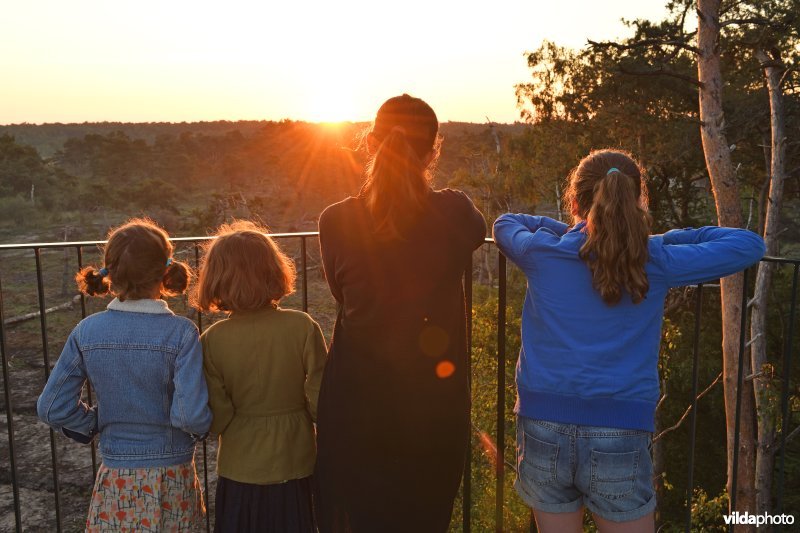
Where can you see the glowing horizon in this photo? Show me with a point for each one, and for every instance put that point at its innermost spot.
(317, 62)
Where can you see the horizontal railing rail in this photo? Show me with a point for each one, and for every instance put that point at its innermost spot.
(195, 244)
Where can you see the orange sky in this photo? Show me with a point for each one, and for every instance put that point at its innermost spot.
(93, 60)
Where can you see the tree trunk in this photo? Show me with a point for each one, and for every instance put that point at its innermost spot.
(726, 196)
(763, 191)
(765, 458)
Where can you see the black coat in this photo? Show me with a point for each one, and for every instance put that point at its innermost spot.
(393, 420)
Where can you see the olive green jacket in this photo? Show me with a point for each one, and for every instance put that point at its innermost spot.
(263, 370)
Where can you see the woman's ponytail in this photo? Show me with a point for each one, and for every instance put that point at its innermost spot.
(93, 282)
(397, 185)
(608, 192)
(405, 133)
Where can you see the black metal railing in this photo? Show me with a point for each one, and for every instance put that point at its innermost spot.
(194, 244)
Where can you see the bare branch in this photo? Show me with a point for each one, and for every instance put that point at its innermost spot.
(688, 409)
(661, 71)
(777, 446)
(786, 73)
(663, 396)
(793, 434)
(643, 43)
(756, 21)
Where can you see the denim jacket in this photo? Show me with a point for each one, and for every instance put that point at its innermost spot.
(145, 365)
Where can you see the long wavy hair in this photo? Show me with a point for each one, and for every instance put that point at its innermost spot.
(607, 189)
(398, 173)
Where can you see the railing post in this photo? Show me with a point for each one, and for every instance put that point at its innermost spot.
(304, 266)
(698, 308)
(205, 445)
(501, 392)
(739, 384)
(466, 493)
(12, 456)
(46, 357)
(787, 370)
(93, 444)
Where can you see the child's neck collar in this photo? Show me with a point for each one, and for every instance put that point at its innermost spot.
(144, 305)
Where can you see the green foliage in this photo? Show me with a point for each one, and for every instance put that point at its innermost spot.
(706, 512)
(17, 210)
(24, 174)
(484, 412)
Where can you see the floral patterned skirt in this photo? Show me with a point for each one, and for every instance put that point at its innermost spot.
(166, 498)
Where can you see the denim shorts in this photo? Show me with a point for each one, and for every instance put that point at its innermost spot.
(563, 467)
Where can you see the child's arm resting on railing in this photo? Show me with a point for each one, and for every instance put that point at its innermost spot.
(697, 255)
(60, 404)
(218, 399)
(315, 355)
(514, 233)
(190, 411)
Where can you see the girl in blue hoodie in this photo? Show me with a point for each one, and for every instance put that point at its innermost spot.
(587, 376)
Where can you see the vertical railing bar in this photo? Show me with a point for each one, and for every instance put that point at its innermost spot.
(205, 445)
(93, 444)
(46, 357)
(197, 266)
(304, 266)
(698, 308)
(501, 393)
(12, 454)
(466, 493)
(787, 368)
(739, 383)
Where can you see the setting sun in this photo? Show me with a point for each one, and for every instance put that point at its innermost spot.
(331, 105)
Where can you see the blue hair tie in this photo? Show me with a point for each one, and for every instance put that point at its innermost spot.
(613, 169)
(103, 272)
(169, 261)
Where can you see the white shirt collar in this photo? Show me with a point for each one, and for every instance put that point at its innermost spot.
(144, 305)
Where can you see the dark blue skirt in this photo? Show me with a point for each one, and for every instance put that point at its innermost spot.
(276, 508)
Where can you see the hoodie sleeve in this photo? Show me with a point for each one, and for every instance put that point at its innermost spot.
(514, 234)
(698, 255)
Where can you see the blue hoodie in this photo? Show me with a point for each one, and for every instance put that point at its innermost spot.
(583, 361)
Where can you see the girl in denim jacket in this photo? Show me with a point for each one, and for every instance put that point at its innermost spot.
(145, 365)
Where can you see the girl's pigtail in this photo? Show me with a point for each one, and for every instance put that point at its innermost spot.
(93, 282)
(176, 278)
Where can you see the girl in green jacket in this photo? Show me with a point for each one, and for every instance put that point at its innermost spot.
(263, 365)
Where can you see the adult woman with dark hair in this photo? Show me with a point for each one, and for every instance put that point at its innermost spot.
(393, 421)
